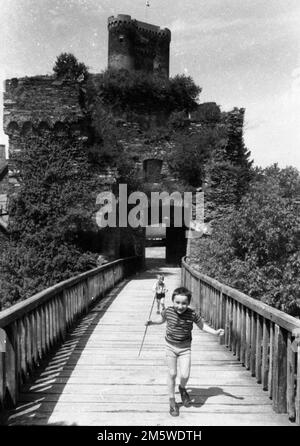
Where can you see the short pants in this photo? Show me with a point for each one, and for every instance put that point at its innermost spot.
(172, 350)
(160, 296)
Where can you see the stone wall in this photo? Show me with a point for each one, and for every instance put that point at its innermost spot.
(37, 105)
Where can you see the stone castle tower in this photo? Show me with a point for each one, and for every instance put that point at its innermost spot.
(135, 45)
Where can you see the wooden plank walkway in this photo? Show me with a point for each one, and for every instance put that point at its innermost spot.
(97, 378)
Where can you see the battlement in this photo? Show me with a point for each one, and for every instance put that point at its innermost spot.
(39, 101)
(154, 30)
(135, 45)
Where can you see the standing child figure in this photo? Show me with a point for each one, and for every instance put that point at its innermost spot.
(180, 318)
(160, 292)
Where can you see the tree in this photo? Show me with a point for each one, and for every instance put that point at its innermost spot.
(191, 151)
(228, 171)
(68, 67)
(256, 247)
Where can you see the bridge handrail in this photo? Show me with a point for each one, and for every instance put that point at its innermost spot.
(31, 328)
(286, 321)
(18, 310)
(264, 339)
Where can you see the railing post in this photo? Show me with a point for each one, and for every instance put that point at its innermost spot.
(243, 335)
(234, 319)
(297, 402)
(253, 344)
(222, 316)
(238, 331)
(28, 339)
(271, 361)
(22, 343)
(197, 296)
(44, 331)
(248, 339)
(226, 321)
(63, 315)
(11, 359)
(280, 366)
(34, 339)
(291, 370)
(85, 296)
(229, 342)
(265, 365)
(258, 349)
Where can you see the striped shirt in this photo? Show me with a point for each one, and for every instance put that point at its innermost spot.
(180, 326)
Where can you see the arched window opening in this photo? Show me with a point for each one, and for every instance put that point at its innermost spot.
(152, 169)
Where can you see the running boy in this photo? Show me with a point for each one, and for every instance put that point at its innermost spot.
(180, 320)
(160, 292)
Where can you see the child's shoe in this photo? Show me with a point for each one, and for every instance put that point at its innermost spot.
(158, 312)
(185, 398)
(174, 410)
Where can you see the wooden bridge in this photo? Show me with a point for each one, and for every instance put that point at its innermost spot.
(70, 355)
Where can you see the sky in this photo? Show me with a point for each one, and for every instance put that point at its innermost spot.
(243, 53)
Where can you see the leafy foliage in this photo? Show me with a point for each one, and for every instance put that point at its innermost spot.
(255, 248)
(228, 171)
(142, 92)
(191, 152)
(54, 205)
(67, 67)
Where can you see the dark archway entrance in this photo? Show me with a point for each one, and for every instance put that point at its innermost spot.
(168, 239)
(176, 243)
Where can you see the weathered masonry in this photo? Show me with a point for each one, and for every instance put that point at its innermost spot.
(135, 45)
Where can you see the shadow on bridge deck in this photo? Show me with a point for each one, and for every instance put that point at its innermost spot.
(97, 378)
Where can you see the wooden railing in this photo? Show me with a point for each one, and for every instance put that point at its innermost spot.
(30, 329)
(265, 340)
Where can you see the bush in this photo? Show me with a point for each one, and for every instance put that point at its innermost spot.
(256, 247)
(54, 205)
(143, 93)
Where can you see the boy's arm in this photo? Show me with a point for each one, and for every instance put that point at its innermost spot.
(203, 326)
(208, 329)
(161, 319)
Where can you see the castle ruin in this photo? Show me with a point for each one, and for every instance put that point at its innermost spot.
(41, 104)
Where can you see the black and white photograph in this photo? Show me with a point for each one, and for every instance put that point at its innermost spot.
(149, 218)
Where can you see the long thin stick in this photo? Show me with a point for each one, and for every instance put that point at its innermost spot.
(147, 325)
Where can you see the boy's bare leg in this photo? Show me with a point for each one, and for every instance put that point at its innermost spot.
(163, 303)
(158, 305)
(172, 373)
(184, 368)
